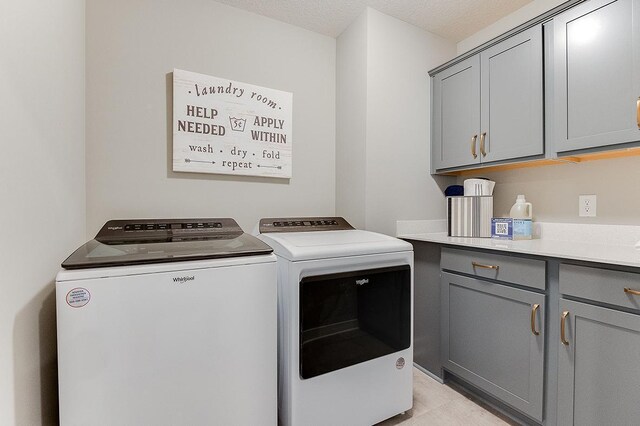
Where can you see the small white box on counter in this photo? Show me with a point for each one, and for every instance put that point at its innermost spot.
(469, 216)
(506, 228)
(502, 228)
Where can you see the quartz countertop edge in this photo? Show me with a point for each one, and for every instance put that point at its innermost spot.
(613, 254)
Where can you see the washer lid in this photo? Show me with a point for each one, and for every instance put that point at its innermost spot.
(296, 246)
(134, 242)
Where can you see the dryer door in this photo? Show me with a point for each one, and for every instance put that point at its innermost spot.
(353, 317)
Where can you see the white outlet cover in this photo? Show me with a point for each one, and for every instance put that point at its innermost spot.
(587, 205)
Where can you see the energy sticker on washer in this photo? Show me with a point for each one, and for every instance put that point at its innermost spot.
(78, 297)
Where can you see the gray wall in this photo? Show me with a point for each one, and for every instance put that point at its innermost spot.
(554, 190)
(383, 130)
(351, 122)
(399, 185)
(131, 48)
(42, 193)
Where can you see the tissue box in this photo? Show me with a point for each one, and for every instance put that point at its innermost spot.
(469, 216)
(506, 228)
(502, 228)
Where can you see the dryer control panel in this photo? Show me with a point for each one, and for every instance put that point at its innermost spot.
(303, 224)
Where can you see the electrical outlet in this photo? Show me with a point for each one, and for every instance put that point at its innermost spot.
(587, 205)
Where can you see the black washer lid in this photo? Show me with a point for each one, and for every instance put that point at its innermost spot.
(144, 241)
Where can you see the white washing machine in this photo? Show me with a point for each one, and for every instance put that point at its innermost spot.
(168, 322)
(345, 322)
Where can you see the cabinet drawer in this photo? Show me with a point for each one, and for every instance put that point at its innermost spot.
(510, 269)
(600, 285)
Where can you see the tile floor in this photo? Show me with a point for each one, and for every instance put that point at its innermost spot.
(435, 404)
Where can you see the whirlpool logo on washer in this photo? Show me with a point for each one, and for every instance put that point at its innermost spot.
(184, 280)
(362, 281)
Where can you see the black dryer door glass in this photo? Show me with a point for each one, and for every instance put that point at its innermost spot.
(353, 317)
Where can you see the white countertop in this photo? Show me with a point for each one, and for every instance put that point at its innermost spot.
(612, 244)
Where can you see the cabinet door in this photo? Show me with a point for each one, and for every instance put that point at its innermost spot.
(456, 115)
(487, 339)
(598, 373)
(511, 86)
(597, 74)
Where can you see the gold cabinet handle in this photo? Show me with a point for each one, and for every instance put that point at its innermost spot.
(563, 320)
(534, 309)
(482, 151)
(638, 112)
(473, 146)
(480, 265)
(632, 291)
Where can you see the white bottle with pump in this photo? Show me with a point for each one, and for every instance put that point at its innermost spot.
(521, 214)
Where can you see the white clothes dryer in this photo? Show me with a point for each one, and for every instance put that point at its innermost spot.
(168, 322)
(345, 322)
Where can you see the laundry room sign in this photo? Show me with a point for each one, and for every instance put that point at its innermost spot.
(224, 126)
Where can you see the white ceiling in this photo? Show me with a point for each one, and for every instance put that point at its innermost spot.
(451, 19)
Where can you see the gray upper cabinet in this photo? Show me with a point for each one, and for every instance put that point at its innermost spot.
(598, 374)
(511, 88)
(456, 115)
(489, 339)
(489, 107)
(597, 75)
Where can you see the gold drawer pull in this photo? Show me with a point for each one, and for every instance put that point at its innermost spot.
(480, 265)
(563, 320)
(632, 291)
(534, 309)
(482, 151)
(473, 146)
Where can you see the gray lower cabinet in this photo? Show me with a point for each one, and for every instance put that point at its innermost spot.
(493, 337)
(598, 367)
(597, 75)
(488, 107)
(577, 363)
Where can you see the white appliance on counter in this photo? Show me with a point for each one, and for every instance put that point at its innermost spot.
(168, 322)
(345, 322)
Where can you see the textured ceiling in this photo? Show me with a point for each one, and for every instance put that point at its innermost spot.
(451, 19)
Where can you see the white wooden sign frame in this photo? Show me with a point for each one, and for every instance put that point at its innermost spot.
(228, 127)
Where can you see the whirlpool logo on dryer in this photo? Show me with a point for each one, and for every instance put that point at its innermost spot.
(362, 281)
(184, 280)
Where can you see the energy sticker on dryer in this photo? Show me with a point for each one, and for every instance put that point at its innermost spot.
(228, 127)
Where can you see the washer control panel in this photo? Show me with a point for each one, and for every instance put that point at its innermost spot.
(303, 224)
(148, 230)
(131, 227)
